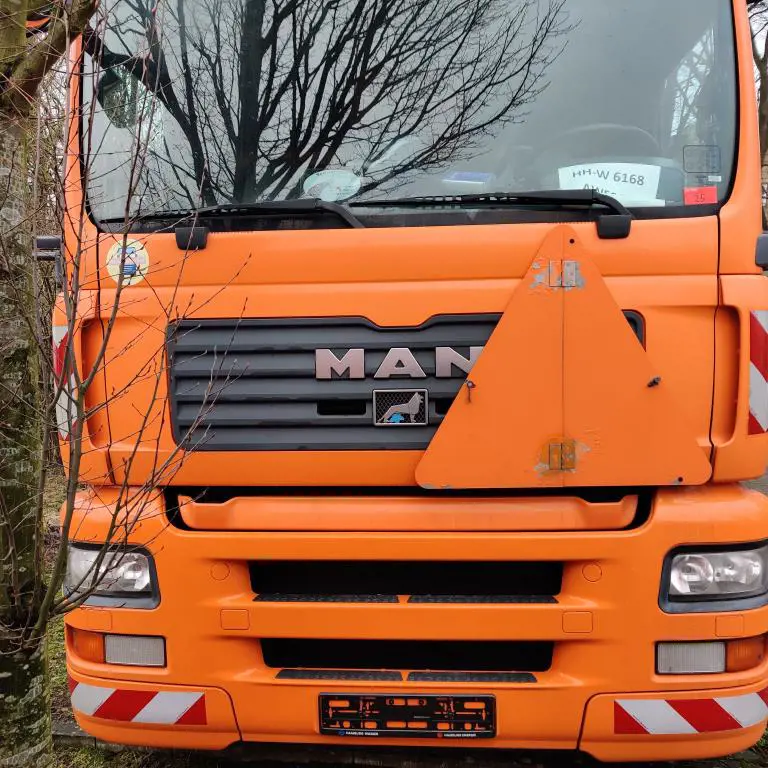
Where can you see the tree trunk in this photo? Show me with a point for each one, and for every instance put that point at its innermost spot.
(24, 697)
(25, 713)
(25, 719)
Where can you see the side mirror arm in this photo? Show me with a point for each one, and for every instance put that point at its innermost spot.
(48, 249)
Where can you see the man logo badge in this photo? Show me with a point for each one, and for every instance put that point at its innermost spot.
(401, 407)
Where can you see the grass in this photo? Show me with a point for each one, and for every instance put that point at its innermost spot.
(58, 667)
(93, 757)
(54, 495)
(53, 498)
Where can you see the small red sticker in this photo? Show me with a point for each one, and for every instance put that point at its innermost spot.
(700, 195)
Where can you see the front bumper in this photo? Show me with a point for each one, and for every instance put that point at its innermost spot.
(617, 728)
(604, 625)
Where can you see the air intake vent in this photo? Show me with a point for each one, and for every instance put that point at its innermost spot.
(416, 655)
(250, 385)
(424, 581)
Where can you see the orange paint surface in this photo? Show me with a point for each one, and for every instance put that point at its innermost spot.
(580, 444)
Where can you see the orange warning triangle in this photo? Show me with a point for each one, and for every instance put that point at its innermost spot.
(563, 395)
(494, 433)
(628, 427)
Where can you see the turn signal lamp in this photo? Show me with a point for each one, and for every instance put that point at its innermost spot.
(89, 646)
(745, 654)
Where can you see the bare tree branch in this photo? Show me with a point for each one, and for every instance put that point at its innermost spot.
(21, 80)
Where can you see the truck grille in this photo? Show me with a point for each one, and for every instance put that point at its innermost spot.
(249, 385)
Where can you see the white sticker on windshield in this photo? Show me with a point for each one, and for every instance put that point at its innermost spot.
(332, 185)
(631, 183)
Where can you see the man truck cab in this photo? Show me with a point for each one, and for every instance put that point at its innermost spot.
(435, 355)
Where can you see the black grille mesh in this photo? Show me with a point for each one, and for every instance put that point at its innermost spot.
(250, 385)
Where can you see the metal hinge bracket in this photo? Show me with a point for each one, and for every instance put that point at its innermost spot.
(565, 274)
(562, 455)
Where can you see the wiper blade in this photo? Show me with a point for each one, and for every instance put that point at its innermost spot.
(559, 197)
(303, 206)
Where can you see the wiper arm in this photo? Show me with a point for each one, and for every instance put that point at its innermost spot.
(298, 206)
(265, 207)
(559, 197)
(615, 227)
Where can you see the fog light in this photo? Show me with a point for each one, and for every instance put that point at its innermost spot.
(134, 651)
(745, 654)
(690, 658)
(89, 646)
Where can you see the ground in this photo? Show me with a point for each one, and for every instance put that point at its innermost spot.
(74, 756)
(100, 758)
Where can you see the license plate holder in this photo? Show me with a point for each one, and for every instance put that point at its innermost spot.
(425, 716)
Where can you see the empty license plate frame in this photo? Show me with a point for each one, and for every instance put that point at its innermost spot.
(425, 716)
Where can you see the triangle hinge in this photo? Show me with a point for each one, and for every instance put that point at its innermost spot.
(565, 274)
(561, 455)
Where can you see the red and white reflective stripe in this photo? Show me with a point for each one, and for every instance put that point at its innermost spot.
(677, 717)
(132, 706)
(65, 407)
(758, 373)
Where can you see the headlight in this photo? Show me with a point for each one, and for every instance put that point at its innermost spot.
(124, 575)
(702, 576)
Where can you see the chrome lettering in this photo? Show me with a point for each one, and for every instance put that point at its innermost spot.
(400, 362)
(326, 364)
(447, 357)
(449, 364)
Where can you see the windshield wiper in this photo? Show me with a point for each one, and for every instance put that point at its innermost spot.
(559, 197)
(298, 206)
(612, 227)
(265, 207)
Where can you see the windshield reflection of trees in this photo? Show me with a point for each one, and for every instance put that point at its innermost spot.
(264, 92)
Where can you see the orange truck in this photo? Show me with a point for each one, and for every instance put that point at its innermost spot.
(435, 348)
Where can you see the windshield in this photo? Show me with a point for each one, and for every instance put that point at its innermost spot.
(240, 101)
